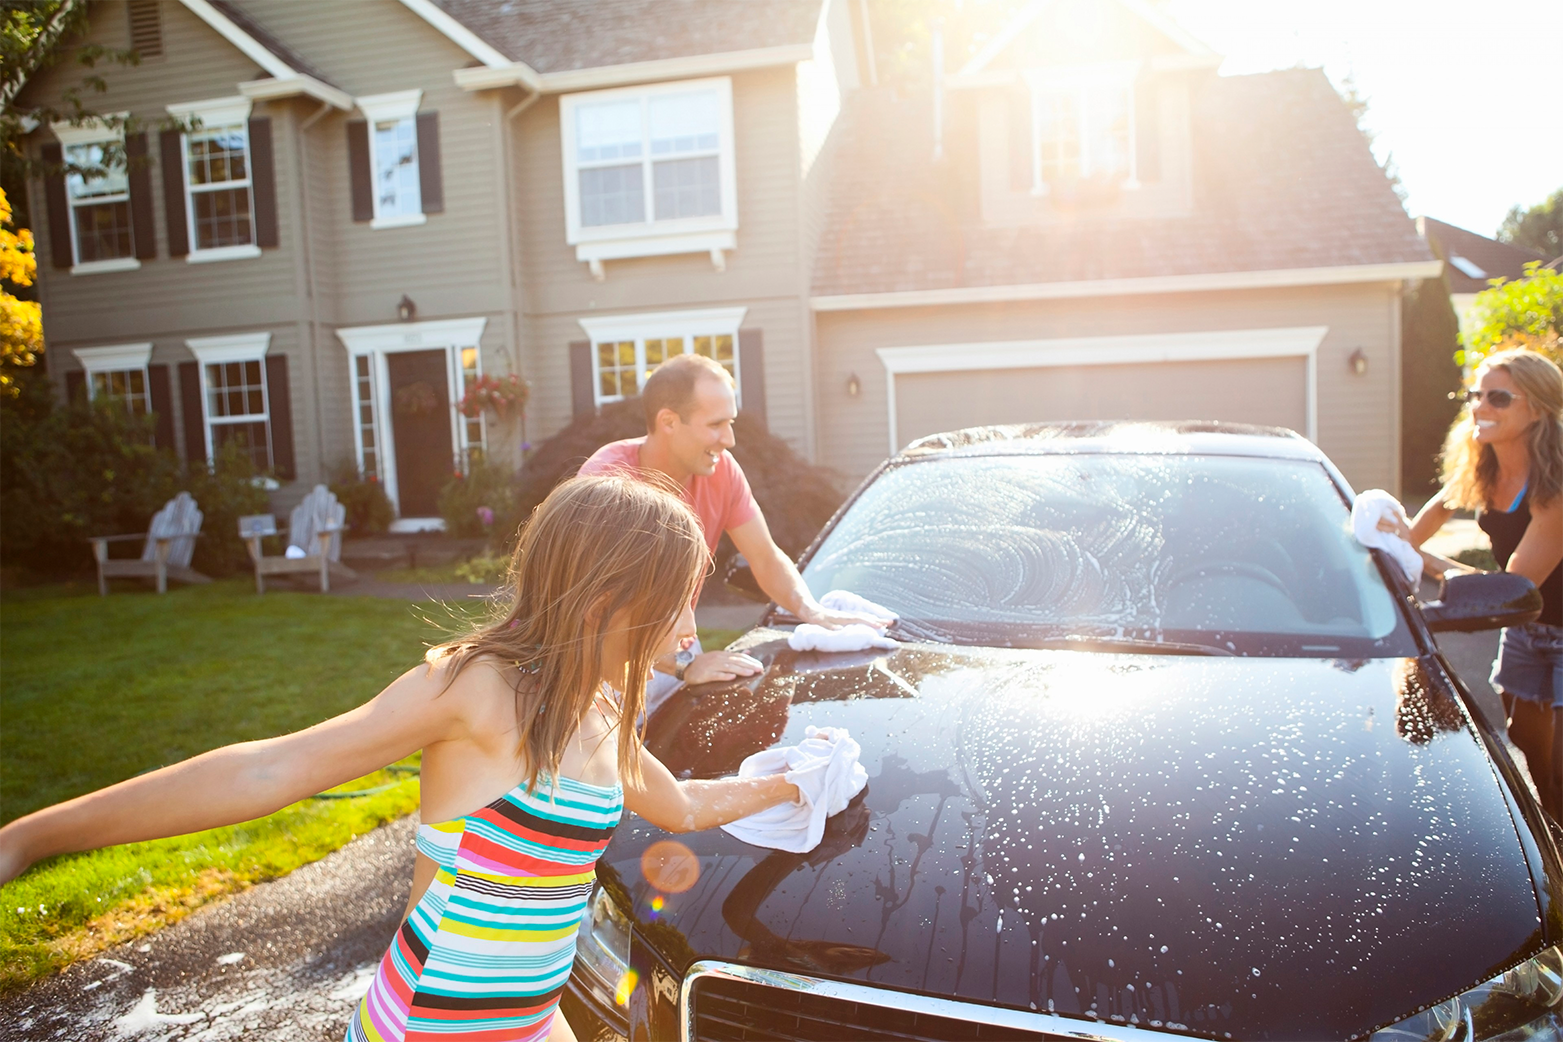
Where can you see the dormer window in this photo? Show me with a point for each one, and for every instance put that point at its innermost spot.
(1082, 125)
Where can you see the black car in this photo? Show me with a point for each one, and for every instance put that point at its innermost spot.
(1163, 750)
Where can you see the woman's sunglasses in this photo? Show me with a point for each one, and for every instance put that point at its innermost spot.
(1495, 398)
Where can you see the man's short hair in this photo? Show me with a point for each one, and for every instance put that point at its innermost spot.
(671, 385)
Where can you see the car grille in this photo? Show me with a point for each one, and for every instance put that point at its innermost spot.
(727, 1003)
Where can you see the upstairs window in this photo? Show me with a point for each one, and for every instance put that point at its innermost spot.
(395, 174)
(218, 183)
(97, 196)
(1082, 125)
(647, 163)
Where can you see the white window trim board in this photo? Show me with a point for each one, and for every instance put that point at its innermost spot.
(223, 253)
(105, 267)
(399, 104)
(113, 357)
(92, 131)
(652, 238)
(448, 334)
(383, 108)
(1215, 345)
(403, 220)
(214, 112)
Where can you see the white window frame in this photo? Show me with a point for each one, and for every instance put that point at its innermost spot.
(382, 108)
(663, 325)
(713, 234)
(449, 335)
(116, 358)
(1082, 79)
(216, 112)
(219, 350)
(95, 132)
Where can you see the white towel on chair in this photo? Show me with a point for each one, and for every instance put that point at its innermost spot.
(1369, 508)
(825, 768)
(295, 553)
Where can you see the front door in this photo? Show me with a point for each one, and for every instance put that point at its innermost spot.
(420, 428)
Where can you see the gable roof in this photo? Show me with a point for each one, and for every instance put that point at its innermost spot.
(1027, 15)
(1283, 181)
(1473, 259)
(561, 36)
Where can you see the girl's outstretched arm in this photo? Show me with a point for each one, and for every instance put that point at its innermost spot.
(240, 782)
(689, 806)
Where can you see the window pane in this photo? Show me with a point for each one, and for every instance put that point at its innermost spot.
(684, 123)
(127, 387)
(1106, 148)
(396, 168)
(610, 130)
(217, 155)
(687, 188)
(612, 195)
(658, 351)
(717, 348)
(249, 437)
(222, 218)
(102, 232)
(616, 369)
(1060, 134)
(235, 389)
(113, 182)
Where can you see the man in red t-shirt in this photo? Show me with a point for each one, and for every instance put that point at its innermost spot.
(690, 410)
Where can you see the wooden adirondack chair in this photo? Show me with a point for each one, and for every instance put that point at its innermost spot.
(315, 527)
(170, 540)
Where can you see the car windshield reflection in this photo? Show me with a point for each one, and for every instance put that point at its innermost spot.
(1141, 553)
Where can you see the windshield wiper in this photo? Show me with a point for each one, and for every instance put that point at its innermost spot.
(1130, 644)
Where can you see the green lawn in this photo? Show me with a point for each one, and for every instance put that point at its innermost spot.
(94, 690)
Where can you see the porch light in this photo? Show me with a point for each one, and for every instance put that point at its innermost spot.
(1358, 362)
(854, 386)
(406, 310)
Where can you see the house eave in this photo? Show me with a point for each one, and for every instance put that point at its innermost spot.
(691, 67)
(252, 48)
(1204, 282)
(296, 86)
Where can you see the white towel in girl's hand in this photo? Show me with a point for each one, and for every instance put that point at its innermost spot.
(825, 768)
(846, 600)
(1369, 508)
(859, 636)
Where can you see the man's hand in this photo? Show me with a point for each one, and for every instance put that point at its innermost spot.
(721, 665)
(813, 611)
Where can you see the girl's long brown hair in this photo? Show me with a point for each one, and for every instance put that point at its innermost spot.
(1470, 468)
(595, 548)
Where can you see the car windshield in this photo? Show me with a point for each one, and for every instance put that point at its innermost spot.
(1237, 554)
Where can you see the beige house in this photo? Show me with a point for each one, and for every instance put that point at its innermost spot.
(383, 200)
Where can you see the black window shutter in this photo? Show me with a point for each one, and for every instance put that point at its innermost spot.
(1020, 139)
(76, 387)
(583, 400)
(172, 154)
(431, 181)
(139, 170)
(162, 405)
(263, 184)
(61, 253)
(751, 369)
(358, 169)
(194, 415)
(1147, 130)
(281, 407)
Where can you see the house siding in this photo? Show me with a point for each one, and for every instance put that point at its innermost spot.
(1357, 419)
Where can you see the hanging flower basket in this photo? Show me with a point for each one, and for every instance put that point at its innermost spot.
(505, 396)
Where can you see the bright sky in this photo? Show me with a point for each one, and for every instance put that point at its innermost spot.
(1463, 94)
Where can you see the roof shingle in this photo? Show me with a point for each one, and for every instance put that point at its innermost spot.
(1283, 179)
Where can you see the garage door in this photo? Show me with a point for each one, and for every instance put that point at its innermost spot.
(1269, 391)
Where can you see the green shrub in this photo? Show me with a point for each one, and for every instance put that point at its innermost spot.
(225, 493)
(476, 504)
(368, 508)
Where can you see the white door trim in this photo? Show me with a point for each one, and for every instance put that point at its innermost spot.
(447, 334)
(1213, 345)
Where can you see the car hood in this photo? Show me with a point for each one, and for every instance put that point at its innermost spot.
(1232, 847)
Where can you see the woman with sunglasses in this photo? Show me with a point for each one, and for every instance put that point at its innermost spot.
(1503, 458)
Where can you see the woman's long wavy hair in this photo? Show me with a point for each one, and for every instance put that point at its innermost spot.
(1470, 468)
(597, 549)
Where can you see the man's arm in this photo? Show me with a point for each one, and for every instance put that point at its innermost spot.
(779, 577)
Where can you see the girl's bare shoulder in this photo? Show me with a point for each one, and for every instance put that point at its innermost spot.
(481, 688)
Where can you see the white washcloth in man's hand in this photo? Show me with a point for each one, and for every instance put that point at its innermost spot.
(859, 636)
(825, 768)
(846, 600)
(1373, 506)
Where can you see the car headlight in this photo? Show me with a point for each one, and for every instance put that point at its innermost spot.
(1523, 1005)
(602, 949)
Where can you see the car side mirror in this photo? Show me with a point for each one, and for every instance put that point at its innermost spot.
(740, 579)
(1483, 601)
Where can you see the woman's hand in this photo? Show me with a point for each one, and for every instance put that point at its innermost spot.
(1395, 526)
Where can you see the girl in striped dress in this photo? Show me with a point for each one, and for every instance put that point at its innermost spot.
(530, 756)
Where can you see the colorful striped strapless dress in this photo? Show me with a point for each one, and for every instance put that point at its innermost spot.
(487, 951)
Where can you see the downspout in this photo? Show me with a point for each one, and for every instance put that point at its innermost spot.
(512, 233)
(312, 319)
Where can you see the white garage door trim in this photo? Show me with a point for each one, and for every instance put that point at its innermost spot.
(1210, 346)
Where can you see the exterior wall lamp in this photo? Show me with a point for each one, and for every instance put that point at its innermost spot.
(406, 310)
(854, 386)
(1358, 362)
